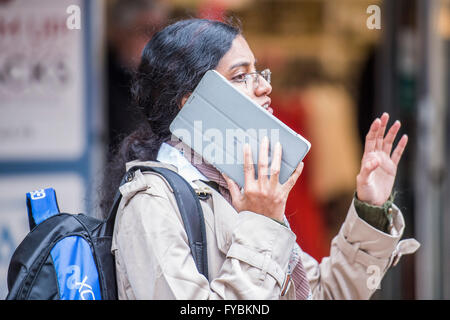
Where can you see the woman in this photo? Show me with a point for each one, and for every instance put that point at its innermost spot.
(252, 253)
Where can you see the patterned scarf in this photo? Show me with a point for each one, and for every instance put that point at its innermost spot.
(295, 269)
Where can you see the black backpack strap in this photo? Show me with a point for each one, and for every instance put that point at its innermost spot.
(190, 210)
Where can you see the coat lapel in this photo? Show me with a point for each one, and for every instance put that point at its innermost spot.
(225, 218)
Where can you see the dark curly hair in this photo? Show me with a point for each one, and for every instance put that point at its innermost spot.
(172, 64)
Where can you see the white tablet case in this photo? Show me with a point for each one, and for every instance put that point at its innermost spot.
(218, 119)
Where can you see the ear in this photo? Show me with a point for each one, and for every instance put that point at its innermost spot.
(184, 99)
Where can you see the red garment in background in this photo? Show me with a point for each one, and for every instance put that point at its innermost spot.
(302, 210)
(212, 10)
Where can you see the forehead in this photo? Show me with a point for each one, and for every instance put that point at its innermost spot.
(239, 52)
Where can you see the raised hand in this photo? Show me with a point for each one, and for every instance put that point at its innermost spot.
(375, 181)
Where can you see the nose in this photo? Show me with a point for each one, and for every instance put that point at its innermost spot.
(263, 88)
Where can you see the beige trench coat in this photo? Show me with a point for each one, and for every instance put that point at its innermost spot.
(248, 253)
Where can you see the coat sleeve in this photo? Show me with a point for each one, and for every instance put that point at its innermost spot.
(155, 256)
(359, 257)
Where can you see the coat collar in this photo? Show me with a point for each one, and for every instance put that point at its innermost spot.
(170, 155)
(133, 163)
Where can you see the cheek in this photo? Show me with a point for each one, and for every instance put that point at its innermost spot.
(251, 94)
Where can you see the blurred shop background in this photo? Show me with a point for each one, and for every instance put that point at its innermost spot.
(64, 104)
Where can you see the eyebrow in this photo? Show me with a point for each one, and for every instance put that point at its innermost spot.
(241, 64)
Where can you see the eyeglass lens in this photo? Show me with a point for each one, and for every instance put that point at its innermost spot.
(252, 81)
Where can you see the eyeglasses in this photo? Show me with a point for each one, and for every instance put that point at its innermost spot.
(251, 79)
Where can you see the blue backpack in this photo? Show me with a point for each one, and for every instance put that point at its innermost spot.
(68, 256)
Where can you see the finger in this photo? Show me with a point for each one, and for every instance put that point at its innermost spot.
(371, 137)
(289, 184)
(249, 169)
(275, 165)
(390, 137)
(380, 135)
(397, 154)
(263, 159)
(367, 168)
(233, 187)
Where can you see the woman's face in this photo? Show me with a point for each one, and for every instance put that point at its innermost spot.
(238, 62)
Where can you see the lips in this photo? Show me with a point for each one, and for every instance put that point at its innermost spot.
(266, 105)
